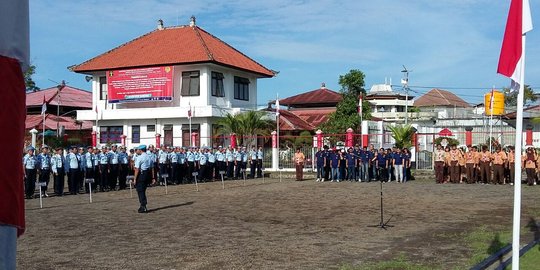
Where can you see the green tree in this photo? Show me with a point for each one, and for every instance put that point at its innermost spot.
(510, 97)
(403, 135)
(346, 114)
(246, 125)
(353, 82)
(305, 138)
(28, 81)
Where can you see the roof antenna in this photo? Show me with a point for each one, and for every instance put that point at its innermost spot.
(192, 21)
(323, 85)
(160, 24)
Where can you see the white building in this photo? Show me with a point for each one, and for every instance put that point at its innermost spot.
(388, 104)
(207, 75)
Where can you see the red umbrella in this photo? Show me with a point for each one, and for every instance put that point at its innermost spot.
(445, 133)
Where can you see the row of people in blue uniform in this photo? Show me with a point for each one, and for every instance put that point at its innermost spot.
(363, 164)
(110, 166)
(180, 163)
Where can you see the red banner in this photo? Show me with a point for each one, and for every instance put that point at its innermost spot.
(141, 84)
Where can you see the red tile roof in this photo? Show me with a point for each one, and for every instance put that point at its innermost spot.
(173, 46)
(321, 97)
(69, 97)
(438, 97)
(36, 121)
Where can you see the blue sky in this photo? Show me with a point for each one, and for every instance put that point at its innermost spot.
(453, 44)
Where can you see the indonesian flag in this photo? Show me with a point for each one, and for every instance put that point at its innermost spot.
(518, 24)
(14, 59)
(44, 106)
(360, 105)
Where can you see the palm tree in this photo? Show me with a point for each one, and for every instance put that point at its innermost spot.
(403, 135)
(246, 125)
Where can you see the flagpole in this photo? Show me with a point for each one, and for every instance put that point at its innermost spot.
(491, 122)
(189, 118)
(277, 128)
(43, 134)
(517, 171)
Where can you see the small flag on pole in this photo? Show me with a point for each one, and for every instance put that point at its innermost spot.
(519, 22)
(44, 106)
(360, 105)
(189, 111)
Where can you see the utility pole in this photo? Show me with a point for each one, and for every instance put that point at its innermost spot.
(405, 83)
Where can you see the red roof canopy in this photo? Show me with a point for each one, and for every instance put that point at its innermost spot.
(36, 121)
(321, 97)
(172, 46)
(69, 97)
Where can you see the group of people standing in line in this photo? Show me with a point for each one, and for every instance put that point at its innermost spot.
(358, 164)
(480, 165)
(111, 167)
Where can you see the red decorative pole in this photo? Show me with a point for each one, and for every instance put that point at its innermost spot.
(123, 138)
(194, 138)
(158, 140)
(319, 138)
(349, 138)
(529, 135)
(233, 140)
(94, 138)
(468, 136)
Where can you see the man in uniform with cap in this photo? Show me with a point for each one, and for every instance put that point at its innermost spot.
(143, 176)
(72, 166)
(123, 168)
(229, 159)
(103, 169)
(163, 157)
(44, 160)
(30, 163)
(113, 168)
(88, 168)
(57, 165)
(220, 162)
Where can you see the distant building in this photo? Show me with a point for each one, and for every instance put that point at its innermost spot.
(388, 104)
(163, 77)
(62, 102)
(306, 111)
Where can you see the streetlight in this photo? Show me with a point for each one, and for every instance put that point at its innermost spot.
(405, 83)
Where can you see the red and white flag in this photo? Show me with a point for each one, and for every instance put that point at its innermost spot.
(360, 105)
(44, 106)
(14, 59)
(519, 22)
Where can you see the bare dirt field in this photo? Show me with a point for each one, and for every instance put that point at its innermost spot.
(272, 225)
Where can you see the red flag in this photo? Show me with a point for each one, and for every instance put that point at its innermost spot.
(14, 55)
(519, 22)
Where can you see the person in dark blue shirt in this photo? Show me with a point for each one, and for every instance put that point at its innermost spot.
(351, 162)
(406, 164)
(364, 165)
(390, 154)
(334, 163)
(326, 163)
(319, 160)
(382, 165)
(342, 165)
(398, 161)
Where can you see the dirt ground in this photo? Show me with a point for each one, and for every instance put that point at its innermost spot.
(271, 225)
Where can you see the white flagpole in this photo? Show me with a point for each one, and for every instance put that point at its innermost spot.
(491, 121)
(43, 134)
(517, 172)
(190, 115)
(277, 129)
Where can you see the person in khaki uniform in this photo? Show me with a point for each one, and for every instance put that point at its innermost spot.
(439, 164)
(511, 164)
(530, 164)
(499, 159)
(453, 158)
(471, 162)
(485, 165)
(462, 161)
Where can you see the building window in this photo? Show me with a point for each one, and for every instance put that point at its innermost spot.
(241, 88)
(103, 88)
(190, 83)
(110, 134)
(136, 134)
(151, 128)
(217, 84)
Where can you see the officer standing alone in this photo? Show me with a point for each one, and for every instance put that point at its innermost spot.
(143, 175)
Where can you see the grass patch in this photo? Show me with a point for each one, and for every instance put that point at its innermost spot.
(484, 242)
(399, 263)
(530, 260)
